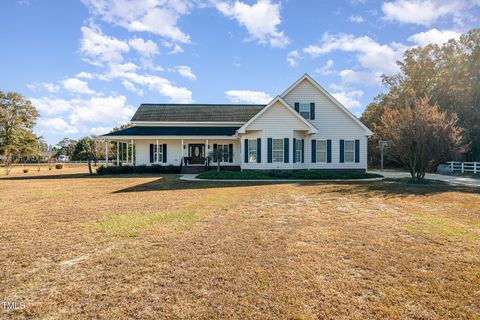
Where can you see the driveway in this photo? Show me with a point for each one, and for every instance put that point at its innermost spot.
(451, 179)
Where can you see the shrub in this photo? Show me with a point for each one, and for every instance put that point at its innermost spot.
(59, 166)
(102, 170)
(25, 170)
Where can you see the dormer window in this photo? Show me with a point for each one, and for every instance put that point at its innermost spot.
(306, 109)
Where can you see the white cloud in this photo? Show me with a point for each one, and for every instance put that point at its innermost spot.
(49, 106)
(161, 85)
(57, 125)
(100, 130)
(293, 57)
(77, 86)
(186, 72)
(159, 17)
(326, 69)
(85, 75)
(50, 87)
(349, 98)
(100, 110)
(356, 19)
(370, 54)
(82, 113)
(98, 48)
(425, 12)
(176, 49)
(434, 36)
(145, 48)
(247, 96)
(365, 77)
(260, 19)
(131, 87)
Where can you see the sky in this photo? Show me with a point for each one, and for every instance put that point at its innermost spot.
(86, 65)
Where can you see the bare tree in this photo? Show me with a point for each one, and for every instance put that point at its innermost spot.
(422, 137)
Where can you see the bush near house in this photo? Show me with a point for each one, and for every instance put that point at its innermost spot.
(295, 174)
(102, 170)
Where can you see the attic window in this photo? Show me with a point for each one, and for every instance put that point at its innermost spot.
(304, 109)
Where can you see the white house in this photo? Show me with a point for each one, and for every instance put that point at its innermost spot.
(303, 128)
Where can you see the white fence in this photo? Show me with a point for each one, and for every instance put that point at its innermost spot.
(470, 167)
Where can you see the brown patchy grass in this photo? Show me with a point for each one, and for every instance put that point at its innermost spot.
(75, 246)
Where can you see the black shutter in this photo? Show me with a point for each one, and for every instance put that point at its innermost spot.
(285, 150)
(164, 153)
(303, 150)
(297, 106)
(246, 151)
(314, 151)
(342, 151)
(214, 152)
(269, 150)
(230, 152)
(259, 150)
(294, 147)
(151, 153)
(329, 151)
(357, 151)
(312, 110)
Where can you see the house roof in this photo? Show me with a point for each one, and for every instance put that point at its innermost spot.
(174, 131)
(196, 112)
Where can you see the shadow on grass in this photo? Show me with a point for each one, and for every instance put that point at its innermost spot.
(81, 176)
(387, 188)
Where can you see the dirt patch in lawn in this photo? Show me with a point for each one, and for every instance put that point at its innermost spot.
(146, 246)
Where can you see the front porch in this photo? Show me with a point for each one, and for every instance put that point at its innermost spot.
(186, 152)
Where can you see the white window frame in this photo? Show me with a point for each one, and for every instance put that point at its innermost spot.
(321, 154)
(298, 150)
(277, 151)
(349, 152)
(306, 109)
(223, 153)
(158, 157)
(252, 150)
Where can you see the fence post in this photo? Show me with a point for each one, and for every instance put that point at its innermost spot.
(463, 167)
(451, 166)
(475, 167)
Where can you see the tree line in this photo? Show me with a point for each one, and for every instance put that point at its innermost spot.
(19, 143)
(431, 110)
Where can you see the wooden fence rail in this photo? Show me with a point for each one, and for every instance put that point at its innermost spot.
(470, 167)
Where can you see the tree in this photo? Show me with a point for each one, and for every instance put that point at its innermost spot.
(66, 146)
(422, 137)
(86, 149)
(449, 75)
(216, 155)
(17, 118)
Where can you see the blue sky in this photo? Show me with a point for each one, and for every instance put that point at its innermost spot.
(86, 65)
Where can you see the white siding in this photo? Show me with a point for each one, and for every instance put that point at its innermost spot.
(277, 123)
(174, 150)
(332, 123)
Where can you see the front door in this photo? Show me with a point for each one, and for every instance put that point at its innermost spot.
(196, 152)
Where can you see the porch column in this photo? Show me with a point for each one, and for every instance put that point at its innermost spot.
(126, 153)
(133, 163)
(182, 150)
(156, 153)
(106, 153)
(206, 149)
(118, 155)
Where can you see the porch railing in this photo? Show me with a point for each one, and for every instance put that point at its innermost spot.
(464, 167)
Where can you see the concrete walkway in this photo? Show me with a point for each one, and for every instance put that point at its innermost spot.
(451, 179)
